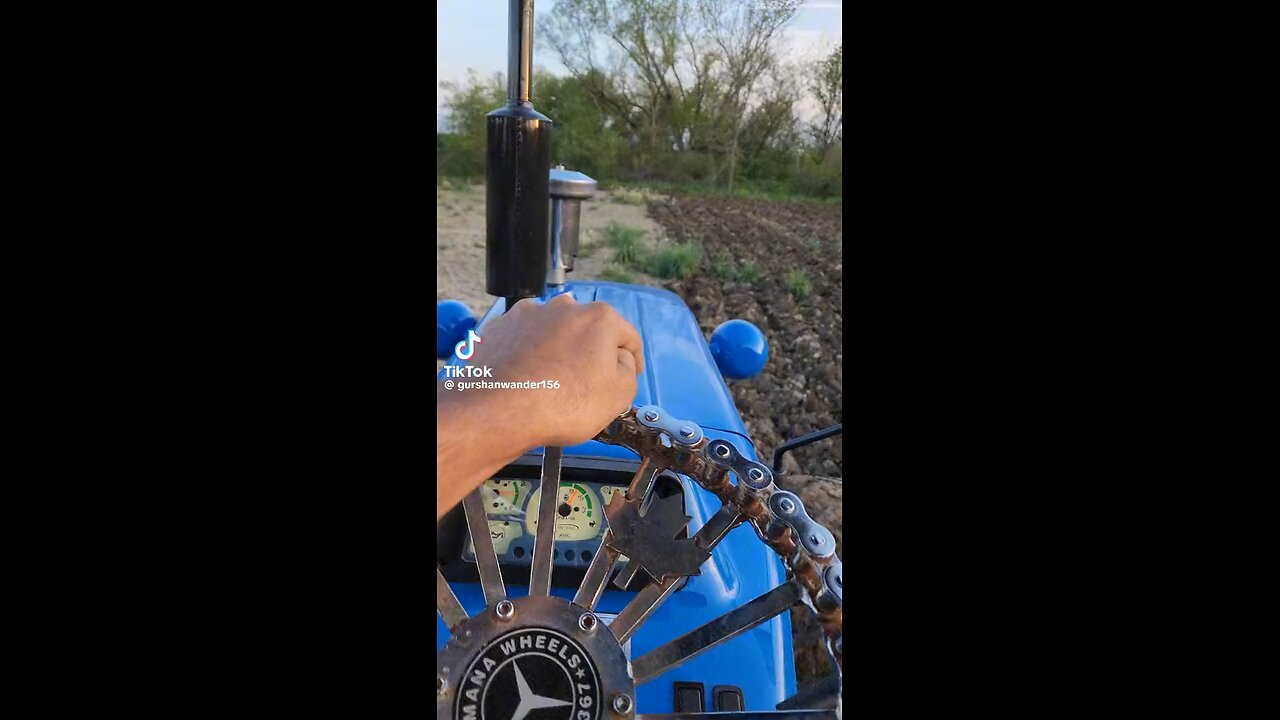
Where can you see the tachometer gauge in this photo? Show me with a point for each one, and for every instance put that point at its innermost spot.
(503, 498)
(578, 514)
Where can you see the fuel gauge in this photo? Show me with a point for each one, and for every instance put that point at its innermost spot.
(504, 498)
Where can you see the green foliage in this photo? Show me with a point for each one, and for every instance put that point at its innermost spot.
(613, 274)
(749, 273)
(677, 261)
(625, 242)
(722, 266)
(697, 82)
(674, 261)
(624, 196)
(798, 283)
(585, 138)
(460, 153)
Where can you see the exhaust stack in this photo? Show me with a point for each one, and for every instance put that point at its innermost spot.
(517, 166)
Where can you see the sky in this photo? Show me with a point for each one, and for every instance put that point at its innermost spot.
(473, 34)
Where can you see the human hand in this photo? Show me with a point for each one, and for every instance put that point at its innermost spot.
(588, 348)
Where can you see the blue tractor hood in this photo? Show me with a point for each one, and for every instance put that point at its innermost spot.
(680, 374)
(682, 377)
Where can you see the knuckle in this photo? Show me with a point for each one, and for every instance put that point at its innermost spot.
(601, 310)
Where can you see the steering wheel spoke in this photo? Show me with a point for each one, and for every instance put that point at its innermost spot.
(641, 607)
(486, 557)
(718, 631)
(447, 605)
(545, 541)
(597, 574)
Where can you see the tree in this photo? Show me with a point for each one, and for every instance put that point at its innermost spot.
(680, 72)
(827, 85)
(746, 32)
(468, 103)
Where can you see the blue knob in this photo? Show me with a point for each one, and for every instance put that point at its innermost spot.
(453, 320)
(739, 349)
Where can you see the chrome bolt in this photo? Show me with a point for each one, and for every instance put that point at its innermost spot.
(786, 505)
(505, 610)
(441, 685)
(622, 703)
(686, 431)
(755, 474)
(813, 540)
(651, 416)
(587, 622)
(722, 451)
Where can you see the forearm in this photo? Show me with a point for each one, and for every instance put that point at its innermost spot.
(475, 438)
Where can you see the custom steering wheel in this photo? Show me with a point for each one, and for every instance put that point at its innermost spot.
(562, 655)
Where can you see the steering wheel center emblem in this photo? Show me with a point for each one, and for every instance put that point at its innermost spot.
(530, 674)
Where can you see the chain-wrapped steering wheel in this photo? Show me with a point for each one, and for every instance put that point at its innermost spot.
(561, 654)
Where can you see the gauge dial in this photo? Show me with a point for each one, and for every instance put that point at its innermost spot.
(607, 492)
(578, 515)
(502, 532)
(503, 498)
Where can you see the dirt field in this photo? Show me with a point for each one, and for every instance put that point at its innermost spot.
(460, 242)
(776, 264)
(800, 389)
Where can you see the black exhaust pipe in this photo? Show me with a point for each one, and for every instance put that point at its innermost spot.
(516, 170)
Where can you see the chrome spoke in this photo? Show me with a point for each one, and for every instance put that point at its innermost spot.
(714, 529)
(486, 558)
(626, 575)
(641, 607)
(749, 715)
(447, 605)
(544, 541)
(642, 481)
(823, 694)
(597, 574)
(722, 629)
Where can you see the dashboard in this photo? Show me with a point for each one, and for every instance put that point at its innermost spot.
(511, 505)
(511, 501)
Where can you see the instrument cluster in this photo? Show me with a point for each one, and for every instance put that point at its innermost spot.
(512, 504)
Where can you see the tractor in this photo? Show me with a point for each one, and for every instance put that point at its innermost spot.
(650, 571)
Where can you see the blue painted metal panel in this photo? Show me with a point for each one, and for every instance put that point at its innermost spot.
(681, 376)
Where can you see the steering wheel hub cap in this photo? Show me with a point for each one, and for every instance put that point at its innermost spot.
(538, 659)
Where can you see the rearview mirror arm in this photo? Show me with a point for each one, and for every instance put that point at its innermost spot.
(802, 441)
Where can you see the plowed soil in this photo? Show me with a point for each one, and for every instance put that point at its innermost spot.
(800, 388)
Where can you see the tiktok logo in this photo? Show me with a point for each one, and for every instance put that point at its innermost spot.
(467, 348)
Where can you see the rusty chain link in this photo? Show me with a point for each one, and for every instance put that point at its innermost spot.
(778, 517)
